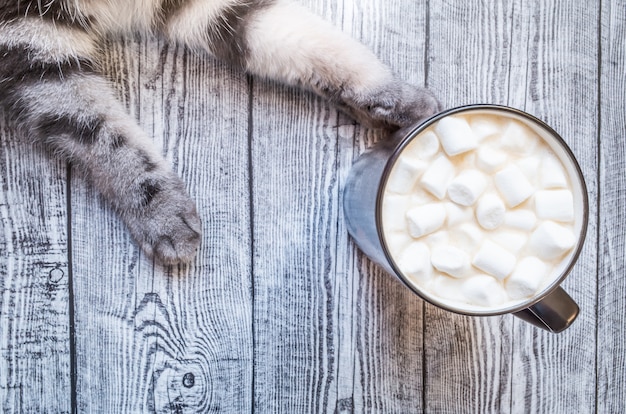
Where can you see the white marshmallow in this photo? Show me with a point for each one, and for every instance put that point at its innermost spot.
(555, 205)
(466, 187)
(404, 175)
(513, 185)
(485, 126)
(467, 237)
(490, 159)
(527, 278)
(425, 219)
(494, 260)
(424, 146)
(511, 240)
(490, 211)
(455, 135)
(552, 173)
(447, 288)
(437, 177)
(450, 260)
(551, 240)
(521, 219)
(483, 290)
(518, 138)
(394, 210)
(415, 262)
(530, 166)
(457, 214)
(437, 238)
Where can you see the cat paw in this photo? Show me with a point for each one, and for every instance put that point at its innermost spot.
(168, 227)
(395, 106)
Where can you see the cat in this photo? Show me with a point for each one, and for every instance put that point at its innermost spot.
(51, 88)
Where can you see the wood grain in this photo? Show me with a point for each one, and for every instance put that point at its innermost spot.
(34, 278)
(156, 339)
(611, 339)
(280, 312)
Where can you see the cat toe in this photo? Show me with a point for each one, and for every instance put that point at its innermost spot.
(178, 244)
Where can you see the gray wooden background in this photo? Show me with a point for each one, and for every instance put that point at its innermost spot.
(280, 313)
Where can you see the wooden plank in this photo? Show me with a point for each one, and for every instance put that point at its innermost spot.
(34, 291)
(611, 340)
(177, 339)
(555, 61)
(468, 358)
(332, 331)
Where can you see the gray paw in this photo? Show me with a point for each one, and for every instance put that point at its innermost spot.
(166, 225)
(398, 105)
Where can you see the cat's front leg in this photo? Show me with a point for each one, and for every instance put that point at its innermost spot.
(73, 111)
(280, 40)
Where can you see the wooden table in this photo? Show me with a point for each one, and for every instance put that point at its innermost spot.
(280, 313)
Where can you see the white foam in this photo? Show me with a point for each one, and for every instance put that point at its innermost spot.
(425, 219)
(551, 240)
(457, 214)
(466, 187)
(437, 177)
(494, 260)
(512, 240)
(490, 211)
(555, 205)
(527, 278)
(455, 135)
(450, 260)
(394, 209)
(513, 185)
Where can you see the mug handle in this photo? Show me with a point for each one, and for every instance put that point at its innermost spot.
(554, 313)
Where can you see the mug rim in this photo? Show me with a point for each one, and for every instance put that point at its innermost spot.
(412, 132)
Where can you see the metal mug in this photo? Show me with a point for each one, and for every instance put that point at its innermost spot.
(551, 309)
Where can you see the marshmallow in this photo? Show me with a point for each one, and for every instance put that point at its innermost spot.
(437, 238)
(552, 173)
(527, 278)
(446, 287)
(490, 211)
(393, 212)
(513, 185)
(520, 219)
(451, 260)
(455, 135)
(518, 138)
(467, 237)
(551, 240)
(415, 262)
(494, 260)
(404, 175)
(424, 146)
(530, 166)
(483, 290)
(437, 177)
(511, 240)
(466, 187)
(485, 126)
(490, 159)
(425, 219)
(457, 214)
(555, 205)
